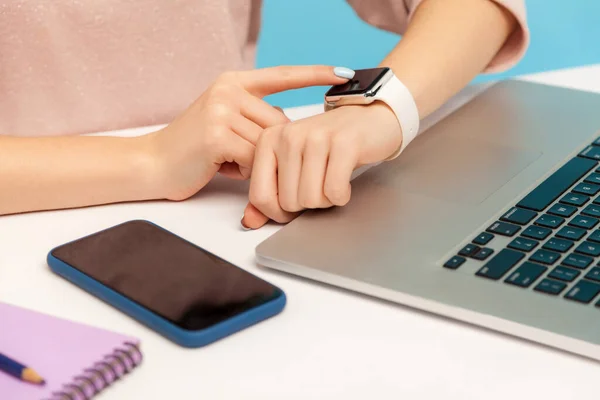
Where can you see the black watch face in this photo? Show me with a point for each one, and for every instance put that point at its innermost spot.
(363, 81)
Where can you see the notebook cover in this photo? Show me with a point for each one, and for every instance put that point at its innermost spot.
(76, 360)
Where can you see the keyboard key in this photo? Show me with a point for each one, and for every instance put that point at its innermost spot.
(597, 200)
(583, 222)
(595, 236)
(557, 183)
(537, 232)
(526, 274)
(469, 250)
(550, 287)
(591, 152)
(562, 210)
(545, 257)
(575, 199)
(483, 254)
(560, 245)
(593, 178)
(504, 228)
(596, 143)
(455, 262)
(570, 232)
(583, 291)
(549, 221)
(564, 274)
(589, 248)
(594, 274)
(523, 244)
(587, 188)
(483, 238)
(592, 210)
(578, 261)
(519, 216)
(500, 264)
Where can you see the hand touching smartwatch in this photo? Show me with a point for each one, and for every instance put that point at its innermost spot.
(309, 163)
(379, 84)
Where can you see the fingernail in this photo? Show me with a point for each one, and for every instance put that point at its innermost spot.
(343, 72)
(244, 226)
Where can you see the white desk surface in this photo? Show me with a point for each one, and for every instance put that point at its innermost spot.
(327, 343)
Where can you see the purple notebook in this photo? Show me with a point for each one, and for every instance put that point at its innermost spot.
(77, 361)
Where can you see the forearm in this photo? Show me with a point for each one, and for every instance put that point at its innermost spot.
(446, 45)
(65, 172)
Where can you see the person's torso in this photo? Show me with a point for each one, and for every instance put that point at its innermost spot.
(69, 66)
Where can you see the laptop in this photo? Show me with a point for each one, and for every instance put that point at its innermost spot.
(491, 217)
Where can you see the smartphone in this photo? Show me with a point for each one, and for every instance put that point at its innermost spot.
(176, 288)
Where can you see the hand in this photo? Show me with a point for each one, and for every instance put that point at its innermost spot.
(309, 163)
(219, 131)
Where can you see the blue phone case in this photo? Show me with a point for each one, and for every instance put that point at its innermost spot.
(159, 324)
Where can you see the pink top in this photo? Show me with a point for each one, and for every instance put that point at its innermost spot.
(70, 66)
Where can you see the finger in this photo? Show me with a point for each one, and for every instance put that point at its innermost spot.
(261, 112)
(289, 157)
(343, 159)
(239, 151)
(253, 218)
(232, 171)
(281, 111)
(314, 167)
(245, 128)
(263, 185)
(266, 81)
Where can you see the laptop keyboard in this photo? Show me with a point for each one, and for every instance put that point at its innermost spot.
(554, 233)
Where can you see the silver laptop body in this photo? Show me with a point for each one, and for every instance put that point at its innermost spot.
(410, 216)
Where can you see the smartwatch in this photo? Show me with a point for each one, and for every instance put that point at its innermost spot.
(369, 85)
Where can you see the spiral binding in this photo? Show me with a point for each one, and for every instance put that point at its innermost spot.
(102, 374)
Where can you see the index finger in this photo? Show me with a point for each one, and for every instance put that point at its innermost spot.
(266, 81)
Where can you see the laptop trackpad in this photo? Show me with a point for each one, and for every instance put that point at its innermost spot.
(462, 170)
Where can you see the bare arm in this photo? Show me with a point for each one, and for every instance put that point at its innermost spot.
(215, 134)
(448, 43)
(64, 172)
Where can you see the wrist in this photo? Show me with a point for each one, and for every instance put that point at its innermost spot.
(379, 85)
(402, 103)
(387, 124)
(147, 166)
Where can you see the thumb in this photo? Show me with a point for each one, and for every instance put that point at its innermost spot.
(236, 151)
(266, 81)
(253, 218)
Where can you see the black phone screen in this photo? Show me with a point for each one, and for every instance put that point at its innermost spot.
(166, 274)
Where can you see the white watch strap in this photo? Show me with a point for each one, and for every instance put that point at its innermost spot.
(400, 100)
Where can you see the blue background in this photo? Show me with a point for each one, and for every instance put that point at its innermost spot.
(564, 33)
